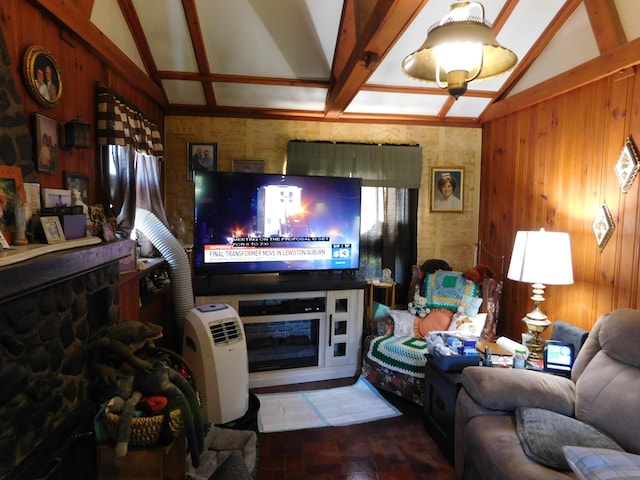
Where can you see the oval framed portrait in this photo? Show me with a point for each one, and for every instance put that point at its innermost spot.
(42, 76)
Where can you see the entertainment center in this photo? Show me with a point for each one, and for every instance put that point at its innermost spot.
(283, 251)
(299, 327)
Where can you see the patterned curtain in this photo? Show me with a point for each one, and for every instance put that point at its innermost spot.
(120, 124)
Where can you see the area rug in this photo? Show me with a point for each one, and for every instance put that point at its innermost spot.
(332, 407)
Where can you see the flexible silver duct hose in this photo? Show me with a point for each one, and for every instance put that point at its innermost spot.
(176, 257)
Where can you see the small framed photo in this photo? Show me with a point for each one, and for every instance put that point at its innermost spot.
(107, 230)
(78, 185)
(46, 143)
(42, 76)
(203, 157)
(8, 196)
(603, 226)
(55, 197)
(52, 230)
(248, 166)
(627, 166)
(15, 174)
(447, 189)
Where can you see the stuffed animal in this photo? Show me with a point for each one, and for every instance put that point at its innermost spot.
(419, 306)
(121, 371)
(478, 273)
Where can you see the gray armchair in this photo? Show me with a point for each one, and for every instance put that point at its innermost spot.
(514, 423)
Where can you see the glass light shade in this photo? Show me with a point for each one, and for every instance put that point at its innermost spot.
(461, 29)
(465, 56)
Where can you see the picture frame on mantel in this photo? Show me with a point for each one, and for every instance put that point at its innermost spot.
(52, 229)
(447, 189)
(42, 76)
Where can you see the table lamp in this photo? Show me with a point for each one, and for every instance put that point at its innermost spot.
(540, 258)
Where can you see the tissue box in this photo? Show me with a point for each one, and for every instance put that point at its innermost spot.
(74, 226)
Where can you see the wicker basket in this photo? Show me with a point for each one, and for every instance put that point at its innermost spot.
(145, 431)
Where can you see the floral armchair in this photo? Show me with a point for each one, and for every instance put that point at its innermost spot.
(394, 361)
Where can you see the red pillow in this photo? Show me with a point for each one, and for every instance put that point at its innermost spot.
(438, 319)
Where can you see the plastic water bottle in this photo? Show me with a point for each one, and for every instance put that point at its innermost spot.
(520, 358)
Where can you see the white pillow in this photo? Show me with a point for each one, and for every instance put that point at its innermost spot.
(402, 323)
(468, 325)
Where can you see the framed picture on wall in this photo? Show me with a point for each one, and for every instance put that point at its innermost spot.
(46, 143)
(603, 226)
(447, 189)
(77, 182)
(627, 166)
(249, 166)
(42, 76)
(203, 157)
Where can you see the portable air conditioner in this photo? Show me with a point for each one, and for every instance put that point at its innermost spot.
(216, 350)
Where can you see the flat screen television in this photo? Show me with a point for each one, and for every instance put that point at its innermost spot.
(264, 223)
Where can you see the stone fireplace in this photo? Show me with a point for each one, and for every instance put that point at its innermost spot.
(50, 308)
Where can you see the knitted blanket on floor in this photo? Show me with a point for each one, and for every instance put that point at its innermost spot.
(400, 354)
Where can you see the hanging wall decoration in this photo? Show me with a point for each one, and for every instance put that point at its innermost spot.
(603, 226)
(627, 166)
(42, 76)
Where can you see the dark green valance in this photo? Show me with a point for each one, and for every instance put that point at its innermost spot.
(398, 166)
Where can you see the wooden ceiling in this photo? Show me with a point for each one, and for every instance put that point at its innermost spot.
(339, 60)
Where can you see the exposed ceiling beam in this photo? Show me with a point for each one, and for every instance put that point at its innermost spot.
(195, 31)
(523, 65)
(387, 22)
(605, 23)
(318, 116)
(76, 21)
(135, 27)
(613, 61)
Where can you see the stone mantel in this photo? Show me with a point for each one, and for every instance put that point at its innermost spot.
(51, 307)
(20, 278)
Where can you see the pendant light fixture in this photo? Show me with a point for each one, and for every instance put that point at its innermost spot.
(459, 48)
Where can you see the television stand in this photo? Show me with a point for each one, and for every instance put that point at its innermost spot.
(327, 309)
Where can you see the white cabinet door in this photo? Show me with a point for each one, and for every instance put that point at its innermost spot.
(344, 326)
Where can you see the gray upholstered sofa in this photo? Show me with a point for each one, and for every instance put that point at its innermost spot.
(526, 425)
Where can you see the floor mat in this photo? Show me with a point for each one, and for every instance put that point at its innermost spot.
(332, 407)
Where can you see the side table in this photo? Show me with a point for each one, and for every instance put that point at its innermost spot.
(440, 394)
(389, 290)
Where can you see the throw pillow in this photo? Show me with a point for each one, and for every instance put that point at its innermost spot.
(468, 325)
(438, 319)
(402, 323)
(469, 306)
(445, 289)
(543, 433)
(599, 463)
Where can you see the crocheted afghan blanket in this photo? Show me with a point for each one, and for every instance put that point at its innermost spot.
(400, 354)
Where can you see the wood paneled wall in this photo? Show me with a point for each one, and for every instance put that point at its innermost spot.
(551, 166)
(23, 25)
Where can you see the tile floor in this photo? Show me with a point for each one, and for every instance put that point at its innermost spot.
(396, 448)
